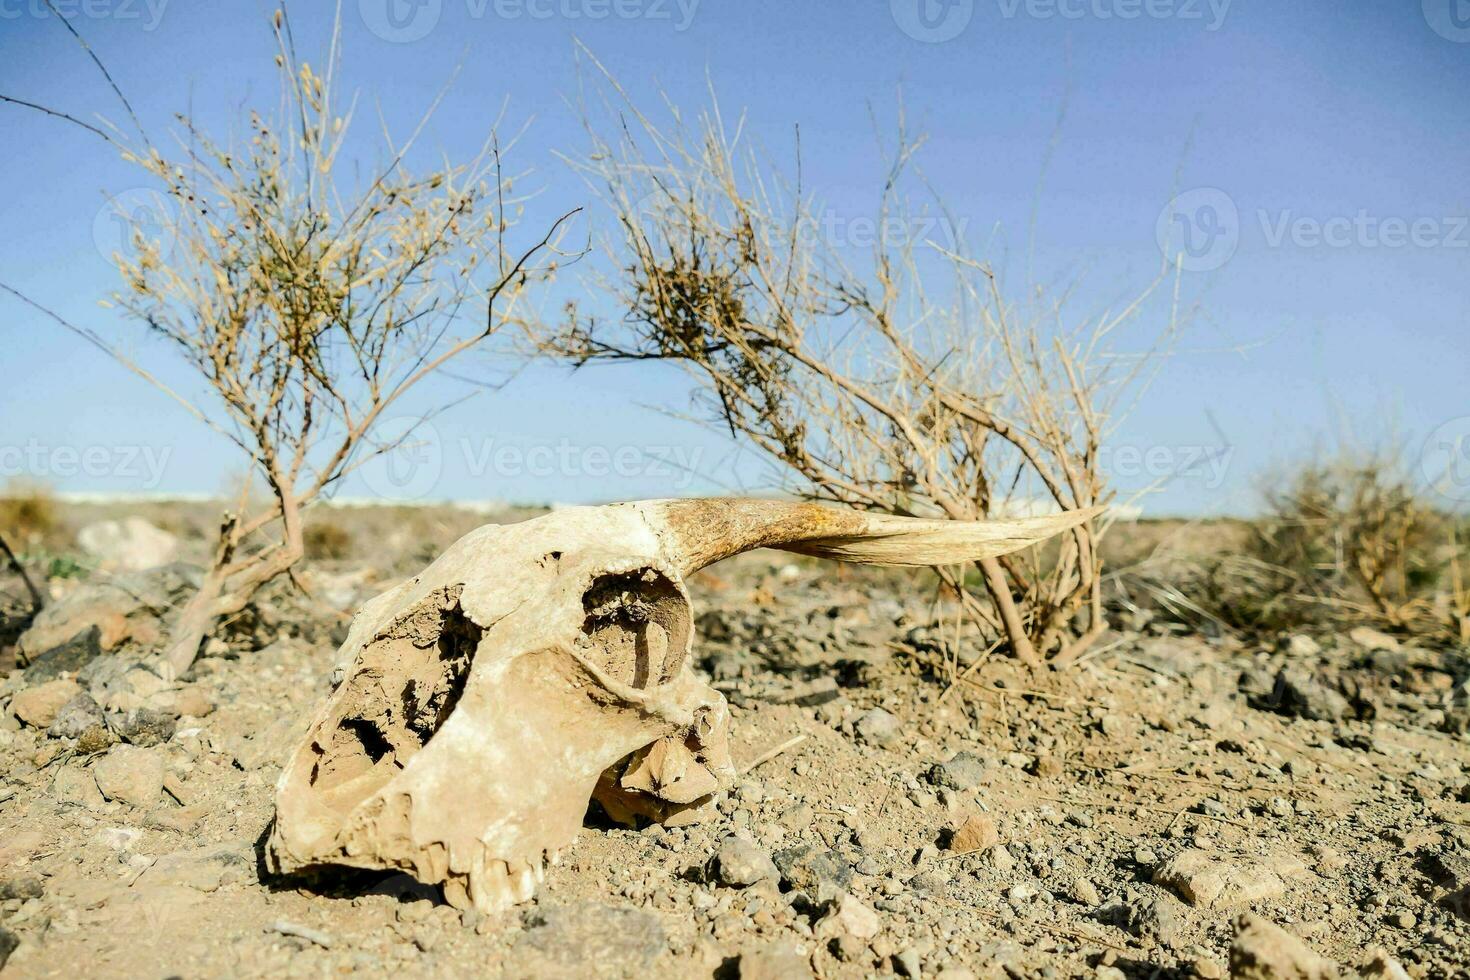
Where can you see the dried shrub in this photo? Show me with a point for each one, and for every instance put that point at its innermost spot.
(327, 540)
(912, 386)
(1345, 540)
(308, 291)
(28, 514)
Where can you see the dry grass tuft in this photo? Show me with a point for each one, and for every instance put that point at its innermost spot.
(28, 514)
(1345, 540)
(327, 540)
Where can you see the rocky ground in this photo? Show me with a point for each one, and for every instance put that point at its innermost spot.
(1175, 806)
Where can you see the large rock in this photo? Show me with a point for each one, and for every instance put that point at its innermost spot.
(852, 918)
(1264, 951)
(963, 772)
(130, 545)
(977, 833)
(203, 870)
(878, 727)
(76, 717)
(778, 960)
(131, 774)
(1299, 694)
(121, 608)
(38, 706)
(68, 658)
(741, 862)
(1209, 882)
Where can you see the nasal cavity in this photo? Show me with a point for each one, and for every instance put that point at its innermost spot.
(638, 626)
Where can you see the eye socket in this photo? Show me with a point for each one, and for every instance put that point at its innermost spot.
(409, 679)
(637, 625)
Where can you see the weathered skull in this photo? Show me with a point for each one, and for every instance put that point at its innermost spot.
(534, 666)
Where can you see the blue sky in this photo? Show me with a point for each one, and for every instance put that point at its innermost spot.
(1315, 152)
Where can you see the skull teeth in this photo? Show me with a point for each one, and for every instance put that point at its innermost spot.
(495, 885)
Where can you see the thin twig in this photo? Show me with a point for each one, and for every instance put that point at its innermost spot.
(38, 600)
(770, 754)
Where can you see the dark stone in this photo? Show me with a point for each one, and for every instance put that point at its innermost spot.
(822, 876)
(21, 887)
(8, 942)
(1298, 694)
(143, 726)
(1149, 918)
(68, 658)
(964, 772)
(125, 601)
(1448, 868)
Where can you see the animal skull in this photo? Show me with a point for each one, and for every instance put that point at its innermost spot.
(534, 666)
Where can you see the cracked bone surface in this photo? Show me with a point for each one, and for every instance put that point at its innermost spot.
(538, 665)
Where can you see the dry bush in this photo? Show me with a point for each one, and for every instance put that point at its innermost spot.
(1344, 540)
(307, 300)
(910, 386)
(28, 514)
(1355, 539)
(325, 539)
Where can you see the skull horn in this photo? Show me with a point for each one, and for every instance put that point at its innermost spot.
(706, 530)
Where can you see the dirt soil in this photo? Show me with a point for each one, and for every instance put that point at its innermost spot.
(931, 811)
